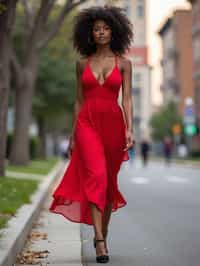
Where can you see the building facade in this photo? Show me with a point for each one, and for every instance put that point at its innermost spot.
(176, 63)
(196, 55)
(136, 10)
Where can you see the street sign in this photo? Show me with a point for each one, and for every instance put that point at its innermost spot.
(189, 115)
(189, 111)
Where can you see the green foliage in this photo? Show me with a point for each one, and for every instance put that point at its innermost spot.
(163, 121)
(3, 221)
(61, 45)
(55, 87)
(15, 192)
(18, 33)
(41, 167)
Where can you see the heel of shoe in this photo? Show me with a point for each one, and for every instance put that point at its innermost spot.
(101, 258)
(94, 242)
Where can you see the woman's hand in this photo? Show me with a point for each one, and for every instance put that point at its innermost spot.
(129, 140)
(70, 147)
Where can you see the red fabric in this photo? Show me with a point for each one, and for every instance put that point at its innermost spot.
(91, 175)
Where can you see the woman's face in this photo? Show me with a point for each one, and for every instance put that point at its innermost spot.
(101, 32)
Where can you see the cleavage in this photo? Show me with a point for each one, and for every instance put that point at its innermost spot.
(102, 77)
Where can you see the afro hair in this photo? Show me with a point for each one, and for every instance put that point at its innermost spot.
(121, 27)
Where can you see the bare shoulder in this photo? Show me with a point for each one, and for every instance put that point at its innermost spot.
(125, 63)
(80, 63)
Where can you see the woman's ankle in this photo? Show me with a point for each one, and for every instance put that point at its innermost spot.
(105, 232)
(100, 248)
(98, 235)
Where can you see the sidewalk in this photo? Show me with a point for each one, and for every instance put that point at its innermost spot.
(53, 240)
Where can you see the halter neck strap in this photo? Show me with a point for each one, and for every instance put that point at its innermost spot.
(88, 59)
(116, 60)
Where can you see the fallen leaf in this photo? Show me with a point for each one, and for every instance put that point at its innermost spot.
(29, 256)
(35, 235)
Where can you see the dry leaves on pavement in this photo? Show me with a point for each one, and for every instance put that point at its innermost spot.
(35, 235)
(30, 257)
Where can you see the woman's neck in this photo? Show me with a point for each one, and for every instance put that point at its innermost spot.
(103, 51)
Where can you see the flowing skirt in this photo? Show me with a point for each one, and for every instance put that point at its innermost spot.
(91, 175)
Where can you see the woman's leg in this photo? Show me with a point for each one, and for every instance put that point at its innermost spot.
(106, 219)
(105, 222)
(97, 221)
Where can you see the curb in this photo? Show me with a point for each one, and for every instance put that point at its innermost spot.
(15, 234)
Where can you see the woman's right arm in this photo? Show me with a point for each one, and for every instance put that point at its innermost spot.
(77, 104)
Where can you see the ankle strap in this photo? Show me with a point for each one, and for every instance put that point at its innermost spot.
(99, 240)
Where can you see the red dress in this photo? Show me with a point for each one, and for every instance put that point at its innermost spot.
(99, 136)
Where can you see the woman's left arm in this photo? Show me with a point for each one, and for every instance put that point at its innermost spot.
(127, 101)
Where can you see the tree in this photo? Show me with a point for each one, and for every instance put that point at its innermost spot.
(7, 14)
(162, 122)
(55, 92)
(38, 31)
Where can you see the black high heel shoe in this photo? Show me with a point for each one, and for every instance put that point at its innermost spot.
(101, 258)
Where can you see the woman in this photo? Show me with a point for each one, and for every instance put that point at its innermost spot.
(102, 131)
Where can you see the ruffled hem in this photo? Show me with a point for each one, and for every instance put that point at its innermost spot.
(78, 210)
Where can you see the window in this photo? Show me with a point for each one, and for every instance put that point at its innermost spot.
(136, 91)
(127, 9)
(140, 11)
(137, 104)
(137, 78)
(196, 49)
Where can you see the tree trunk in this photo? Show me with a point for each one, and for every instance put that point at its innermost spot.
(23, 110)
(6, 22)
(42, 137)
(4, 93)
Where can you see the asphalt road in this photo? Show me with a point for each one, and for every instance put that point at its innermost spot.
(160, 226)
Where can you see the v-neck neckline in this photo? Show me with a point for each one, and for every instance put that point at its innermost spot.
(107, 76)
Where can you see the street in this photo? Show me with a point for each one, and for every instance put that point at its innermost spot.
(160, 226)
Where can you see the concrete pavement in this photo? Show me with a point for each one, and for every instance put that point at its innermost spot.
(53, 238)
(14, 235)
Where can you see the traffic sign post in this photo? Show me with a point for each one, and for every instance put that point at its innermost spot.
(189, 121)
(176, 129)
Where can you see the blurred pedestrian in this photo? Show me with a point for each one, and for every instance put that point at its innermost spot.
(182, 148)
(64, 144)
(144, 150)
(167, 149)
(131, 153)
